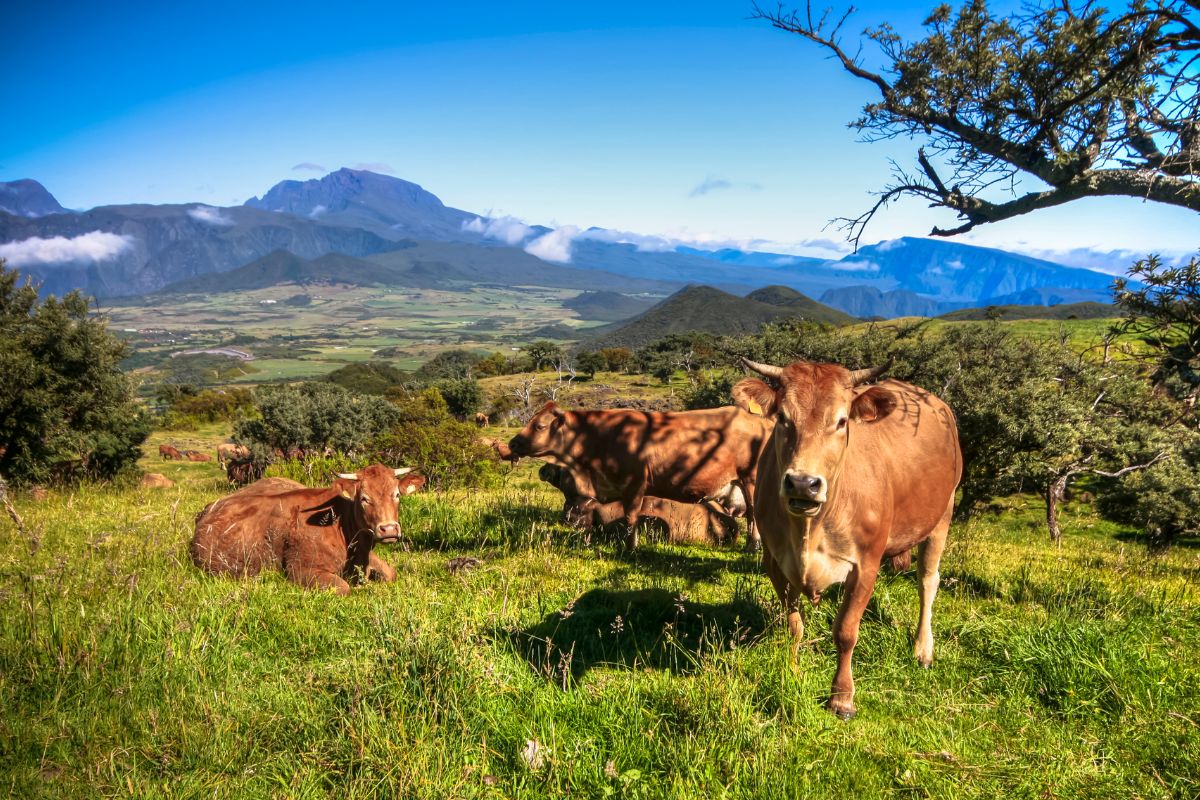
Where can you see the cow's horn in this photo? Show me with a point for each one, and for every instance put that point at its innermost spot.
(402, 471)
(350, 476)
(861, 376)
(762, 369)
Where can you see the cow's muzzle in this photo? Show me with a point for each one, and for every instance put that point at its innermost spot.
(387, 533)
(803, 493)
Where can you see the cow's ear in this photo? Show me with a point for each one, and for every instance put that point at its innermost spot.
(345, 487)
(553, 408)
(873, 404)
(755, 396)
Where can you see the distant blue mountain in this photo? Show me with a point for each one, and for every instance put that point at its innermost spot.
(364, 214)
(27, 198)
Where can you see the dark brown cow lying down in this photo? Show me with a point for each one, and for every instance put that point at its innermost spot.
(321, 538)
(854, 473)
(686, 523)
(625, 455)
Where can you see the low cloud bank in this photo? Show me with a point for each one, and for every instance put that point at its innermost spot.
(88, 247)
(209, 216)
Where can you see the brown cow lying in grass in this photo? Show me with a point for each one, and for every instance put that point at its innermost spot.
(691, 523)
(321, 538)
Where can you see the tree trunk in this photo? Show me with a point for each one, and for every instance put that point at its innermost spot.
(1054, 496)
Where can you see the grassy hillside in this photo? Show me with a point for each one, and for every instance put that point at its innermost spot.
(1059, 312)
(800, 304)
(661, 673)
(284, 267)
(703, 308)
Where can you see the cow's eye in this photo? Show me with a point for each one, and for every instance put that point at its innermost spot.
(397, 494)
(366, 500)
(841, 423)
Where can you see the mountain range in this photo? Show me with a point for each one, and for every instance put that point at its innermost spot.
(409, 237)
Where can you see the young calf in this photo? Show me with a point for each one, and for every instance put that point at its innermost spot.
(321, 538)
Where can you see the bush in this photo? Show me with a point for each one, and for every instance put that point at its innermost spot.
(463, 396)
(1163, 500)
(66, 410)
(372, 377)
(189, 409)
(710, 390)
(315, 416)
(447, 452)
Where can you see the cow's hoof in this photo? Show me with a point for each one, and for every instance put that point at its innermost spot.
(841, 710)
(753, 546)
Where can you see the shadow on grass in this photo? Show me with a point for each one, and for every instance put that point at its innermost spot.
(635, 629)
(701, 564)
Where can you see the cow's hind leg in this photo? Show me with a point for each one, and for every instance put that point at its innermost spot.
(789, 599)
(313, 578)
(929, 557)
(632, 502)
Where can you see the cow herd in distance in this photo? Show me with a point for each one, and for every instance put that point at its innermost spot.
(833, 471)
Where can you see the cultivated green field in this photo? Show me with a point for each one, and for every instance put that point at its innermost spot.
(1071, 672)
(340, 325)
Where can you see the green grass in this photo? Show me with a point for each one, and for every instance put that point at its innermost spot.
(1067, 672)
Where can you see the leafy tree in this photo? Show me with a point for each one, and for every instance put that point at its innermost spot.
(1078, 100)
(494, 364)
(711, 390)
(1163, 500)
(315, 416)
(463, 396)
(618, 359)
(449, 364)
(66, 410)
(591, 362)
(1165, 312)
(543, 353)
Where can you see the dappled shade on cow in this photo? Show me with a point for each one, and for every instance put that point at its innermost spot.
(321, 538)
(624, 455)
(853, 474)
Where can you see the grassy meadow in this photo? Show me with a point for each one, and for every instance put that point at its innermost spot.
(562, 666)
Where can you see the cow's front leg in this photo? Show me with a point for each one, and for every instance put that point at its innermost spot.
(313, 578)
(859, 586)
(753, 542)
(380, 570)
(789, 599)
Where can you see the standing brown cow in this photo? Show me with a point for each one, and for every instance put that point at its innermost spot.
(623, 454)
(481, 419)
(853, 474)
(168, 453)
(321, 538)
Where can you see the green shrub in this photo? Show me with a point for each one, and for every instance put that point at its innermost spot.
(447, 452)
(314, 417)
(66, 410)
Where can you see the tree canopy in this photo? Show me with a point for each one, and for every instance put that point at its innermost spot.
(1072, 99)
(66, 409)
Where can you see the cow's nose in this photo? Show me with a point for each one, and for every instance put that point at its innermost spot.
(810, 487)
(388, 530)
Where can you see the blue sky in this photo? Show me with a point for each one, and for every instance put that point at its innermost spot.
(684, 119)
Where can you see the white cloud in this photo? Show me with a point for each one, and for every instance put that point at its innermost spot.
(209, 216)
(308, 166)
(954, 264)
(889, 244)
(555, 245)
(317, 211)
(94, 246)
(509, 230)
(1112, 262)
(857, 265)
(711, 184)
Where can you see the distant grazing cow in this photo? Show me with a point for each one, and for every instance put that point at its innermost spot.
(481, 419)
(321, 538)
(196, 455)
(625, 455)
(228, 451)
(168, 453)
(852, 474)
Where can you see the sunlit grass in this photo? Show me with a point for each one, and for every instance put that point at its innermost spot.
(1066, 672)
